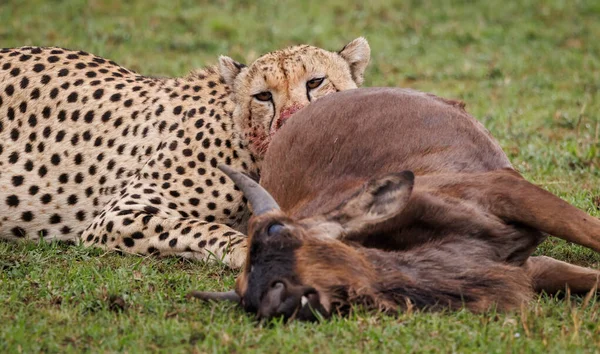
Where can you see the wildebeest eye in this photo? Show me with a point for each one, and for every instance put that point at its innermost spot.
(263, 96)
(274, 229)
(314, 83)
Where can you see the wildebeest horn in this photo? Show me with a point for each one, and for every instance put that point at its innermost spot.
(258, 197)
(218, 296)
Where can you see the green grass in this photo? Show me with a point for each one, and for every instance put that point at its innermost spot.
(529, 70)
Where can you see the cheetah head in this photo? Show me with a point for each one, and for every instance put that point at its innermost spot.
(279, 83)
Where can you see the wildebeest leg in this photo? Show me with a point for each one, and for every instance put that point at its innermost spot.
(511, 198)
(551, 275)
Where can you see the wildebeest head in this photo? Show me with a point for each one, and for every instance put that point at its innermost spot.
(298, 268)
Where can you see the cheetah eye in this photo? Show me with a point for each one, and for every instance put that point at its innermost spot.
(263, 96)
(314, 83)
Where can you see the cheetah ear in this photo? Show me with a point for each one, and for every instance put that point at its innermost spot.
(357, 54)
(229, 69)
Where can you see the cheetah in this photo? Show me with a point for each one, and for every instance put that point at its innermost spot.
(94, 152)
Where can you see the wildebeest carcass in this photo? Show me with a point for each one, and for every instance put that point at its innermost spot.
(392, 198)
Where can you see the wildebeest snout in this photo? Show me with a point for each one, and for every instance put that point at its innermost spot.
(290, 301)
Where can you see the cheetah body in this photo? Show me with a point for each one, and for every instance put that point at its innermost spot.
(90, 150)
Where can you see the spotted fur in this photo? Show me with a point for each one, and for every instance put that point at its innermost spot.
(93, 151)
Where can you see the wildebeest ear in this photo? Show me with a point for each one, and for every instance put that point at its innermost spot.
(229, 69)
(357, 54)
(379, 200)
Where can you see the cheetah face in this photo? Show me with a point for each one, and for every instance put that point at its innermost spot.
(278, 84)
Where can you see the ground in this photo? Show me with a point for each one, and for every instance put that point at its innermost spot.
(529, 70)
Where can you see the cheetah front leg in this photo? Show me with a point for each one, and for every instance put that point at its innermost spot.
(140, 221)
(145, 233)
